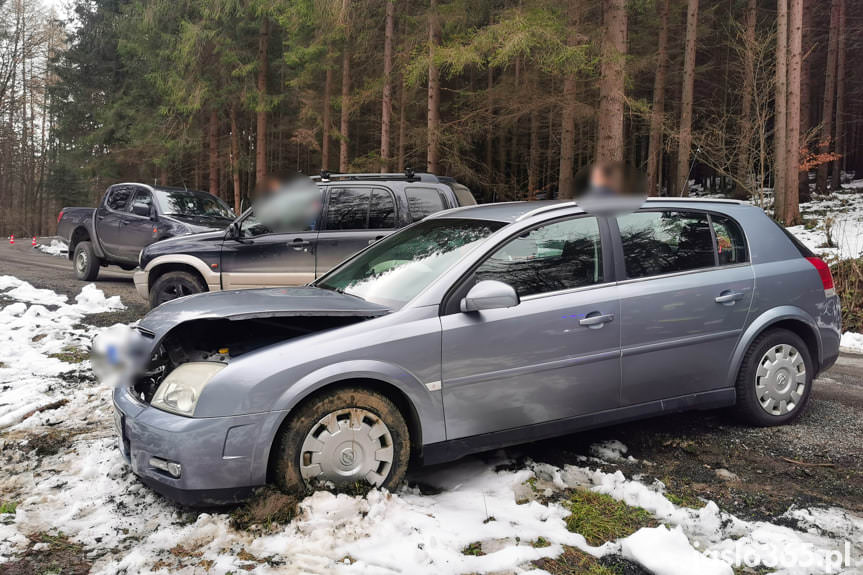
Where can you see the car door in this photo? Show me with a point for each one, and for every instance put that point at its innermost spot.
(137, 229)
(108, 216)
(355, 216)
(683, 304)
(553, 356)
(260, 254)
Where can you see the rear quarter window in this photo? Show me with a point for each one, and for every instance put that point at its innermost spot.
(423, 202)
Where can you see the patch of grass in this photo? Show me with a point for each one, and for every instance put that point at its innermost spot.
(8, 507)
(50, 443)
(600, 518)
(574, 562)
(474, 549)
(71, 354)
(541, 542)
(57, 556)
(685, 500)
(267, 508)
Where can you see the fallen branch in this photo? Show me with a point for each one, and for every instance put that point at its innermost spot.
(803, 463)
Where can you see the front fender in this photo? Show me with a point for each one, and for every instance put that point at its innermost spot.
(762, 322)
(427, 405)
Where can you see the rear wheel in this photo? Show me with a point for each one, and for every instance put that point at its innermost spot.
(344, 437)
(86, 262)
(775, 379)
(172, 285)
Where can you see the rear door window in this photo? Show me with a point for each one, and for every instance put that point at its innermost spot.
(423, 202)
(382, 210)
(348, 209)
(663, 242)
(730, 242)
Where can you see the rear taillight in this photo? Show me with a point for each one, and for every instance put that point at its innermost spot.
(59, 216)
(824, 272)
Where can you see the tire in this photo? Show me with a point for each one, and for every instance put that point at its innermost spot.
(173, 285)
(774, 380)
(305, 429)
(86, 262)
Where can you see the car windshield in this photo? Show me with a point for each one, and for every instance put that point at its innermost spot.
(192, 204)
(400, 266)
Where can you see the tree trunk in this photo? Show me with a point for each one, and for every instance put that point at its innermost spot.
(839, 140)
(780, 131)
(805, 97)
(344, 124)
(261, 131)
(327, 122)
(402, 126)
(657, 114)
(824, 145)
(565, 182)
(533, 162)
(609, 137)
(433, 137)
(387, 104)
(235, 160)
(213, 149)
(685, 134)
(489, 132)
(744, 155)
(795, 40)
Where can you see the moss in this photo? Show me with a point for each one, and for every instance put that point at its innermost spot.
(600, 518)
(685, 500)
(540, 542)
(71, 354)
(474, 549)
(8, 507)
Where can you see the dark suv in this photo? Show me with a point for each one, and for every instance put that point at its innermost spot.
(355, 211)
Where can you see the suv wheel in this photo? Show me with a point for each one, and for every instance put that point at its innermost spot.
(86, 262)
(172, 285)
(344, 437)
(775, 379)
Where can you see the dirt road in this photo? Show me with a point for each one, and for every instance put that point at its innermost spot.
(756, 473)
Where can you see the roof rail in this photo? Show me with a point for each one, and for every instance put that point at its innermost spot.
(694, 200)
(547, 208)
(408, 175)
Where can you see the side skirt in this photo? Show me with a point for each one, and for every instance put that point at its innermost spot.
(453, 449)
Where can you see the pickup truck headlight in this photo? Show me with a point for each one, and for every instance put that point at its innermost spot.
(179, 392)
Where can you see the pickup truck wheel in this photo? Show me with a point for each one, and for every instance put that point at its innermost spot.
(86, 262)
(775, 379)
(345, 437)
(173, 285)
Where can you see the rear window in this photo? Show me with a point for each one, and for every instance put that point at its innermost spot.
(463, 194)
(423, 202)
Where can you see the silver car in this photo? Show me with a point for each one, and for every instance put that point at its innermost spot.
(474, 329)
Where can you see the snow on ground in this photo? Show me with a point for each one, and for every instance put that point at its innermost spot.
(55, 248)
(842, 212)
(87, 492)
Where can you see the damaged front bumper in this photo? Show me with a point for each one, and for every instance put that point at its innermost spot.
(220, 458)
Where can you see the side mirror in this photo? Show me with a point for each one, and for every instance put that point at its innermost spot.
(141, 209)
(234, 231)
(489, 294)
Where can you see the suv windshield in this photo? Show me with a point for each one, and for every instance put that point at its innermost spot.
(400, 266)
(192, 204)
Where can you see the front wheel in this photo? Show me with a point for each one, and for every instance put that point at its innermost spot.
(172, 285)
(346, 437)
(86, 262)
(775, 379)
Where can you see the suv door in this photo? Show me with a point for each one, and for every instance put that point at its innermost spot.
(684, 301)
(138, 230)
(354, 217)
(108, 216)
(261, 257)
(555, 355)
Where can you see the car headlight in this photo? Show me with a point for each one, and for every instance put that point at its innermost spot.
(179, 392)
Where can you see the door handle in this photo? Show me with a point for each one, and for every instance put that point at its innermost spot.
(596, 321)
(728, 297)
(298, 244)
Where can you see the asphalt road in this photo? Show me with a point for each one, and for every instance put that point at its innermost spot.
(817, 460)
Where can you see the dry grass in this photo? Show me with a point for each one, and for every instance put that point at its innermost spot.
(267, 508)
(574, 562)
(57, 556)
(848, 279)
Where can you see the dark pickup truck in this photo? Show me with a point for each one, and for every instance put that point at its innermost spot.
(132, 216)
(349, 212)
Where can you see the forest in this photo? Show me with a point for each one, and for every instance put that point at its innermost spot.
(750, 98)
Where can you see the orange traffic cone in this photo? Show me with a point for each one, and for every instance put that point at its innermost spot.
(33, 243)
(12, 239)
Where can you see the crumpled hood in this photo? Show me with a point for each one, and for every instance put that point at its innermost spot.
(256, 303)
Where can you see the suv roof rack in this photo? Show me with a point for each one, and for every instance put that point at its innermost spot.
(694, 200)
(408, 175)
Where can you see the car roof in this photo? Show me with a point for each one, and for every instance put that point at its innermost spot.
(517, 211)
